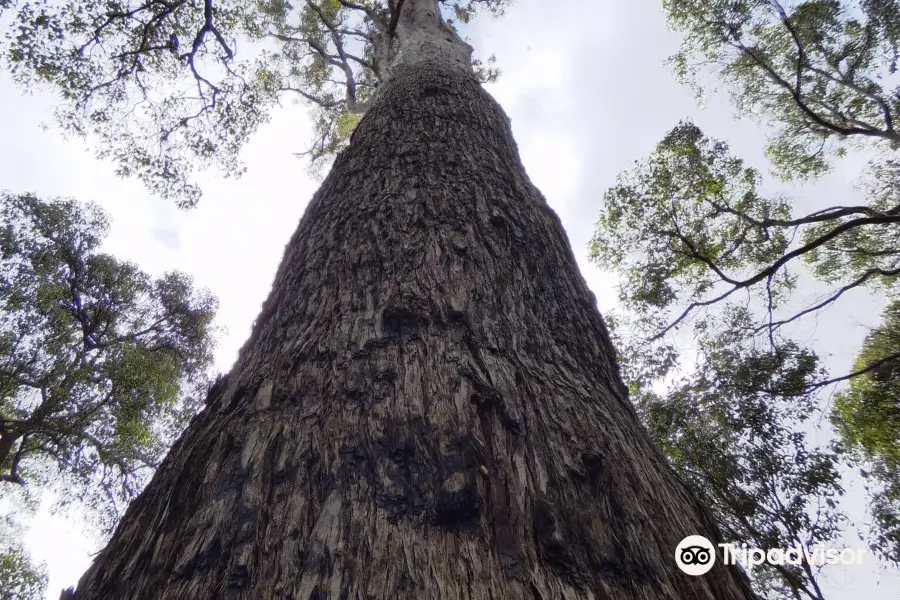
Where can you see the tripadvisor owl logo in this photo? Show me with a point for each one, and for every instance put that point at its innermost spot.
(695, 555)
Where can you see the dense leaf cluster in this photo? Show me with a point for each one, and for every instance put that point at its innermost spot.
(688, 218)
(101, 365)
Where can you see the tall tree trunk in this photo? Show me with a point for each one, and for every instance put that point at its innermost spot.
(428, 406)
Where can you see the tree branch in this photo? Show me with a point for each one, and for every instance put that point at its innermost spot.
(395, 18)
(871, 367)
(796, 94)
(769, 271)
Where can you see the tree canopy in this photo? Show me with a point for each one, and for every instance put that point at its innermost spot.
(700, 248)
(163, 86)
(823, 72)
(101, 365)
(732, 427)
(693, 238)
(689, 225)
(867, 415)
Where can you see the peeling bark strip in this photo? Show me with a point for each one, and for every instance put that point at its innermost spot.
(428, 406)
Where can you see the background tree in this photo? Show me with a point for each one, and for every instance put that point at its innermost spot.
(694, 228)
(695, 236)
(101, 366)
(21, 578)
(732, 427)
(867, 416)
(428, 405)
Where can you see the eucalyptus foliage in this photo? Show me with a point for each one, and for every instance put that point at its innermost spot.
(689, 228)
(163, 86)
(732, 427)
(695, 241)
(692, 237)
(867, 414)
(685, 220)
(101, 365)
(822, 72)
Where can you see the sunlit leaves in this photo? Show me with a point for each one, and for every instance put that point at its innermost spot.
(100, 364)
(867, 415)
(137, 75)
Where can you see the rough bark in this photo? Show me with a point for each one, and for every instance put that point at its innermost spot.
(428, 406)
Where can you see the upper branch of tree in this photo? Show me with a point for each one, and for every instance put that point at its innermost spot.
(341, 60)
(845, 125)
(771, 270)
(874, 365)
(395, 18)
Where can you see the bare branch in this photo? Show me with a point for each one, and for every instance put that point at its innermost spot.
(832, 297)
(867, 369)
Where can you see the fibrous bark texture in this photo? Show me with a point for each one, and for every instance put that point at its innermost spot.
(428, 406)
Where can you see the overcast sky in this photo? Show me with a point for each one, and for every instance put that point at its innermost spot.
(588, 93)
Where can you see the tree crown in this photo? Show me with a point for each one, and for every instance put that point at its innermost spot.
(823, 71)
(164, 85)
(100, 364)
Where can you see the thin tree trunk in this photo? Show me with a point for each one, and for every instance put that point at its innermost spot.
(428, 406)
